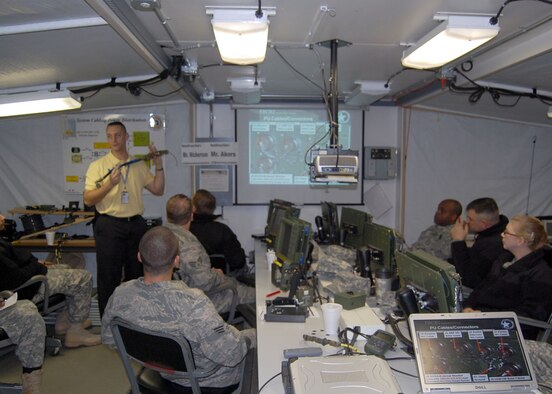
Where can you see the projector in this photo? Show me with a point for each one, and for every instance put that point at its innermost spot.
(334, 165)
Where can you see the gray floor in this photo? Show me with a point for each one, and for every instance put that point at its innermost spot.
(84, 370)
(89, 370)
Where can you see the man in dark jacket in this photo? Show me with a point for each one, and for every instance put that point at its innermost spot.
(483, 219)
(17, 266)
(216, 237)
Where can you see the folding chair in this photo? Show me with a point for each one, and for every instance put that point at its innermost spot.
(50, 304)
(160, 352)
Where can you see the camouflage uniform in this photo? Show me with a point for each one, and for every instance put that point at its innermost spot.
(172, 307)
(435, 240)
(25, 327)
(196, 271)
(540, 354)
(75, 284)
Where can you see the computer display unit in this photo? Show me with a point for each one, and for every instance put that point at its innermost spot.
(382, 242)
(278, 210)
(352, 226)
(435, 282)
(330, 223)
(292, 242)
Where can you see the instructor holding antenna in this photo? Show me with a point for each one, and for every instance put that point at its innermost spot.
(117, 197)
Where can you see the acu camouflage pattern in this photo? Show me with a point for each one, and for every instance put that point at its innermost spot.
(435, 240)
(25, 328)
(336, 265)
(75, 284)
(195, 271)
(540, 354)
(172, 307)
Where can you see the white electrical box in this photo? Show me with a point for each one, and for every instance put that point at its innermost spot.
(381, 162)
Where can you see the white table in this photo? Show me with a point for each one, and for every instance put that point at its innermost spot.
(274, 337)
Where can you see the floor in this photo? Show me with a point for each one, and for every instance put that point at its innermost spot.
(89, 370)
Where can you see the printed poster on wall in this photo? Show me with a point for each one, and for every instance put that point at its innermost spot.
(84, 141)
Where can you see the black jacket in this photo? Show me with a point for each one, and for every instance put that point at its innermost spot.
(524, 287)
(16, 267)
(218, 238)
(473, 264)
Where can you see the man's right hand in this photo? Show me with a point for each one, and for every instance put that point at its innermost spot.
(459, 231)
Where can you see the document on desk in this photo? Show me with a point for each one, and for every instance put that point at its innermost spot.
(9, 301)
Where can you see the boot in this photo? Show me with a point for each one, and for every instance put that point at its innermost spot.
(77, 336)
(32, 382)
(63, 323)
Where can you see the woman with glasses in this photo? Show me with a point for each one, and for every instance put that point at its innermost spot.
(524, 284)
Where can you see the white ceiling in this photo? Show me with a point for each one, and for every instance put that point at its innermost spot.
(87, 43)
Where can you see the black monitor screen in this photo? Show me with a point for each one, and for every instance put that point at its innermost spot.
(330, 221)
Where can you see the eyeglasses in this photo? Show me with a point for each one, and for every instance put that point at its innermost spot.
(506, 232)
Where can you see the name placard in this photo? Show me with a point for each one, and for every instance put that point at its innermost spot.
(210, 153)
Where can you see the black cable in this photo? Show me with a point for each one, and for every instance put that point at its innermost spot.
(269, 380)
(494, 20)
(297, 71)
(393, 76)
(404, 373)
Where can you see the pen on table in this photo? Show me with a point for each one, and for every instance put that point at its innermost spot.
(273, 293)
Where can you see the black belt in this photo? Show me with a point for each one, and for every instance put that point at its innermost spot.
(129, 219)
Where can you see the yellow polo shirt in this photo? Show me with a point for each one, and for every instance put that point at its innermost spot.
(138, 177)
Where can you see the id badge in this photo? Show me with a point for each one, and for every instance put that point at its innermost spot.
(124, 197)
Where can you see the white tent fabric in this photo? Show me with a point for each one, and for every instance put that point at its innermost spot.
(461, 157)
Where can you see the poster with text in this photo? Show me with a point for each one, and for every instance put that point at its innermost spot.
(84, 140)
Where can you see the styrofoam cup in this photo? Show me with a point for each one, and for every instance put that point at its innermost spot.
(331, 312)
(50, 237)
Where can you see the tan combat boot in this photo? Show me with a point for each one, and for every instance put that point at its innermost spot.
(63, 322)
(77, 336)
(32, 382)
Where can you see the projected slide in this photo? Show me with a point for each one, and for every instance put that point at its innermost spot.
(279, 140)
(274, 148)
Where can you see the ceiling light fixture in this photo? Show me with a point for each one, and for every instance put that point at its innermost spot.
(37, 102)
(549, 113)
(241, 33)
(367, 92)
(455, 36)
(245, 90)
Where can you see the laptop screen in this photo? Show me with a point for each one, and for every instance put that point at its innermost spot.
(471, 352)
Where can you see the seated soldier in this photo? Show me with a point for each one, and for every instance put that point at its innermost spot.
(158, 303)
(195, 266)
(216, 237)
(18, 266)
(485, 221)
(522, 284)
(25, 328)
(436, 239)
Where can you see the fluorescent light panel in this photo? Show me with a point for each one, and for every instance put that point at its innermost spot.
(452, 38)
(37, 102)
(241, 36)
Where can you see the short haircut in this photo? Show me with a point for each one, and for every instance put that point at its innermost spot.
(454, 205)
(117, 123)
(486, 208)
(158, 248)
(204, 202)
(179, 209)
(531, 230)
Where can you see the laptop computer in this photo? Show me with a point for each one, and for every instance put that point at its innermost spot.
(471, 353)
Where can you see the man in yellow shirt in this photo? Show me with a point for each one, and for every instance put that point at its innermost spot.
(117, 198)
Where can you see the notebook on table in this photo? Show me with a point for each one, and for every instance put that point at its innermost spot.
(471, 353)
